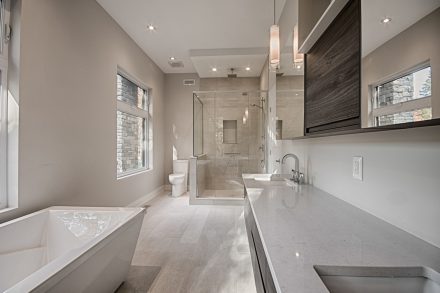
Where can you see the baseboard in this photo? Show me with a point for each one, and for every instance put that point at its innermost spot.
(167, 187)
(146, 198)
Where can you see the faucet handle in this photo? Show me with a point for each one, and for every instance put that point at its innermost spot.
(297, 176)
(294, 175)
(300, 177)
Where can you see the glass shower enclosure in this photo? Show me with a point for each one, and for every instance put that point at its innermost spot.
(229, 140)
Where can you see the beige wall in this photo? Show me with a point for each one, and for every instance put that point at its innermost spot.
(401, 174)
(415, 45)
(69, 55)
(179, 120)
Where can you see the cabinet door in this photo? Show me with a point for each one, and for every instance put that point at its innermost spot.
(332, 74)
(263, 277)
(269, 283)
(261, 256)
(256, 263)
(250, 228)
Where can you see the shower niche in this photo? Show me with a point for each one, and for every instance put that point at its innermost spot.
(229, 131)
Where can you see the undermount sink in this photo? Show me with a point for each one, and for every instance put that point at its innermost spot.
(345, 279)
(270, 177)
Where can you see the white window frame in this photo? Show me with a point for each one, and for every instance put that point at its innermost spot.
(407, 106)
(145, 114)
(4, 40)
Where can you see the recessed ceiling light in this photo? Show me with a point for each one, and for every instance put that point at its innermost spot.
(386, 20)
(151, 27)
(248, 68)
(298, 66)
(214, 69)
(172, 58)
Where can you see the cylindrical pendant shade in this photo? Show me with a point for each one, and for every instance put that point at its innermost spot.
(274, 52)
(297, 57)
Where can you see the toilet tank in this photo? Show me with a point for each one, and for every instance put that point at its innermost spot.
(181, 166)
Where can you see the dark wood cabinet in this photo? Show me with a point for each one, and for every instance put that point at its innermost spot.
(332, 75)
(262, 274)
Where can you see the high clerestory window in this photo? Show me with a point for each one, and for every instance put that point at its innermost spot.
(406, 98)
(133, 145)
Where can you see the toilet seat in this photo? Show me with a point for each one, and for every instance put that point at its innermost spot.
(174, 177)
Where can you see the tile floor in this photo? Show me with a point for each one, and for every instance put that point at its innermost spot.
(223, 193)
(185, 248)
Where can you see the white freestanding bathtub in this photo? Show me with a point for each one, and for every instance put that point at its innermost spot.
(68, 249)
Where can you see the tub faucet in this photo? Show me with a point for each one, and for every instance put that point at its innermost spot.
(297, 176)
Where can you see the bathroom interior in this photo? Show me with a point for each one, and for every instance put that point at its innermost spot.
(199, 146)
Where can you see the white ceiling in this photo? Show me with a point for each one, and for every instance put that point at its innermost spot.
(186, 28)
(403, 14)
(234, 33)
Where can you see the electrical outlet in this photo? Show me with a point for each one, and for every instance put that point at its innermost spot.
(357, 168)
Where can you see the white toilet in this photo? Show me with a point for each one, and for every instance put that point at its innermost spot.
(179, 178)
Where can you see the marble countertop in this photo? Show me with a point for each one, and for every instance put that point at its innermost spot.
(302, 226)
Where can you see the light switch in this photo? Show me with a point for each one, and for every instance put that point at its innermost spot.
(357, 168)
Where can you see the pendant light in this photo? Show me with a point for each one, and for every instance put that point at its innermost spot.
(298, 58)
(274, 45)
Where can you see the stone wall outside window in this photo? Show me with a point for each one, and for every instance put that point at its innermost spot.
(130, 142)
(402, 90)
(131, 130)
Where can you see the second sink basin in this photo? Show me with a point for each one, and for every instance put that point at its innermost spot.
(345, 279)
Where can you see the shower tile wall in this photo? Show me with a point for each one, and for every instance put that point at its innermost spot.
(227, 161)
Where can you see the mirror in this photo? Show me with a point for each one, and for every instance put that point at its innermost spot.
(400, 66)
(290, 98)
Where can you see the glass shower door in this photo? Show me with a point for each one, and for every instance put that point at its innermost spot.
(232, 141)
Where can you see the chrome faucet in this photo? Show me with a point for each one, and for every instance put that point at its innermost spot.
(297, 176)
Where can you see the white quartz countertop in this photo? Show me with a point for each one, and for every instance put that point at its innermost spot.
(302, 226)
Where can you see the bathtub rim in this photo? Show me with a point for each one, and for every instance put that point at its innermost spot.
(50, 274)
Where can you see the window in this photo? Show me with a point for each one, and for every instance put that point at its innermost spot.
(403, 99)
(133, 146)
(4, 37)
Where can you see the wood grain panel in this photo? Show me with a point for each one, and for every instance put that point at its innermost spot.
(332, 72)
